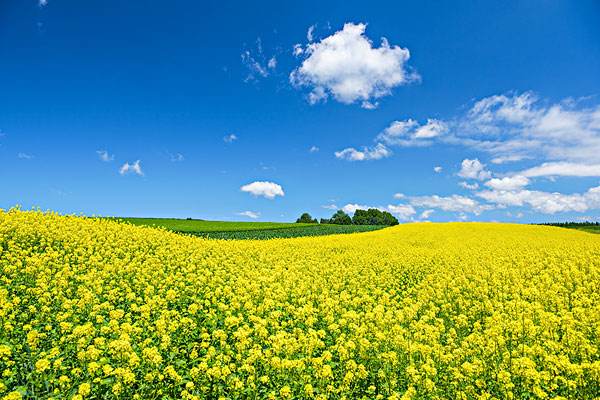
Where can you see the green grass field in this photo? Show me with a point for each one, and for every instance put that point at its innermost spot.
(247, 230)
(197, 225)
(590, 227)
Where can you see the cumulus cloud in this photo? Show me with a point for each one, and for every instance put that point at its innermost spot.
(565, 136)
(313, 149)
(298, 50)
(545, 202)
(347, 67)
(453, 203)
(563, 169)
(426, 214)
(473, 169)
(351, 208)
(508, 183)
(514, 127)
(43, 3)
(367, 153)
(268, 190)
(230, 138)
(410, 133)
(401, 211)
(469, 186)
(104, 156)
(437, 169)
(134, 168)
(249, 214)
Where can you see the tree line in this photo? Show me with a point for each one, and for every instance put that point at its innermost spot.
(372, 216)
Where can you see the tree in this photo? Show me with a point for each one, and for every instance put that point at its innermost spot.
(373, 216)
(306, 219)
(340, 218)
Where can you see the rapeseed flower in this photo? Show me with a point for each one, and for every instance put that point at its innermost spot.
(93, 307)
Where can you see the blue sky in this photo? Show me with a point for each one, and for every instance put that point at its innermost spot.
(241, 111)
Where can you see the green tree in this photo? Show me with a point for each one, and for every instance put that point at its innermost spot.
(306, 219)
(340, 218)
(373, 216)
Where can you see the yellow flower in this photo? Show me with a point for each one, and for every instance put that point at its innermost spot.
(42, 365)
(460, 311)
(84, 389)
(285, 392)
(13, 396)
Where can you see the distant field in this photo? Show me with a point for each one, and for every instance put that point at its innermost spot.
(581, 226)
(591, 229)
(196, 225)
(247, 230)
(303, 230)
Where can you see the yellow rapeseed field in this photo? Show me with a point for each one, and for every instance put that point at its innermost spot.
(94, 309)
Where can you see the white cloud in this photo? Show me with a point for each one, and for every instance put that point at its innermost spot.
(453, 203)
(309, 33)
(317, 95)
(351, 208)
(368, 105)
(346, 66)
(104, 156)
(426, 214)
(431, 129)
(255, 67)
(508, 183)
(473, 169)
(513, 127)
(265, 189)
(402, 211)
(298, 50)
(258, 65)
(563, 169)
(507, 159)
(134, 168)
(230, 138)
(469, 186)
(437, 169)
(313, 149)
(249, 214)
(43, 3)
(376, 153)
(25, 156)
(399, 196)
(410, 133)
(545, 202)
